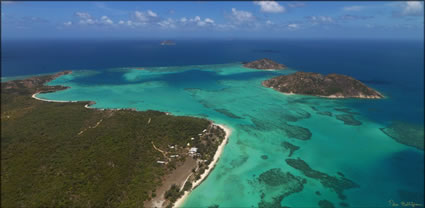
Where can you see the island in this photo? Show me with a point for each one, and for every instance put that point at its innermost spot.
(265, 64)
(69, 154)
(329, 86)
(168, 42)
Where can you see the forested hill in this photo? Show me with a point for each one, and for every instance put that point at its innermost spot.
(66, 155)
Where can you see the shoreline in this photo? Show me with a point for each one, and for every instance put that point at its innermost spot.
(52, 101)
(373, 97)
(211, 166)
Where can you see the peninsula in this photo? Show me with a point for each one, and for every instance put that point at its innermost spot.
(66, 154)
(330, 86)
(265, 64)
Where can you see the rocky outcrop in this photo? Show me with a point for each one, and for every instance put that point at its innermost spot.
(331, 86)
(264, 63)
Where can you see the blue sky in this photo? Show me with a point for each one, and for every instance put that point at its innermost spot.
(198, 19)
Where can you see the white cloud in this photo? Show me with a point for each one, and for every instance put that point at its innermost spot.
(69, 23)
(145, 17)
(196, 21)
(268, 22)
(121, 22)
(87, 19)
(353, 8)
(151, 13)
(270, 6)
(208, 20)
(321, 19)
(296, 4)
(240, 16)
(83, 15)
(225, 27)
(293, 26)
(353, 17)
(168, 23)
(8, 2)
(130, 23)
(412, 8)
(106, 20)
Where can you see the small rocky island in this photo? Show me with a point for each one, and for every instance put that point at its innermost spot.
(264, 63)
(168, 42)
(330, 86)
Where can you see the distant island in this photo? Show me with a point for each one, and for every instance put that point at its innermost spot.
(168, 42)
(264, 63)
(330, 86)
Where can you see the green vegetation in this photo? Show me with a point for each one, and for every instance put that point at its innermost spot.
(187, 186)
(173, 193)
(309, 83)
(54, 154)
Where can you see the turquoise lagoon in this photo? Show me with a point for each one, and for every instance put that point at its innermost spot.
(261, 120)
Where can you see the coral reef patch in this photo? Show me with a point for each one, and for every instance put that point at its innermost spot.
(411, 135)
(285, 183)
(288, 146)
(337, 184)
(348, 119)
(325, 204)
(296, 132)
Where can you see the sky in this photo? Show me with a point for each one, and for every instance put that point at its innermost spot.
(209, 19)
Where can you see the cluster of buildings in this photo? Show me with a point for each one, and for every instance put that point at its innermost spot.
(193, 151)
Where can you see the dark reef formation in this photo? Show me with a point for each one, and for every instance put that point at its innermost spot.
(345, 110)
(343, 204)
(292, 148)
(294, 115)
(297, 132)
(325, 113)
(264, 63)
(264, 157)
(348, 119)
(276, 178)
(338, 184)
(407, 134)
(227, 113)
(325, 204)
(331, 86)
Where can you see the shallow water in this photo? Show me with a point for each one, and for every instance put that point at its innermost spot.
(262, 119)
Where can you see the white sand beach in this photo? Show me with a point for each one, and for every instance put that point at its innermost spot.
(217, 155)
(53, 101)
